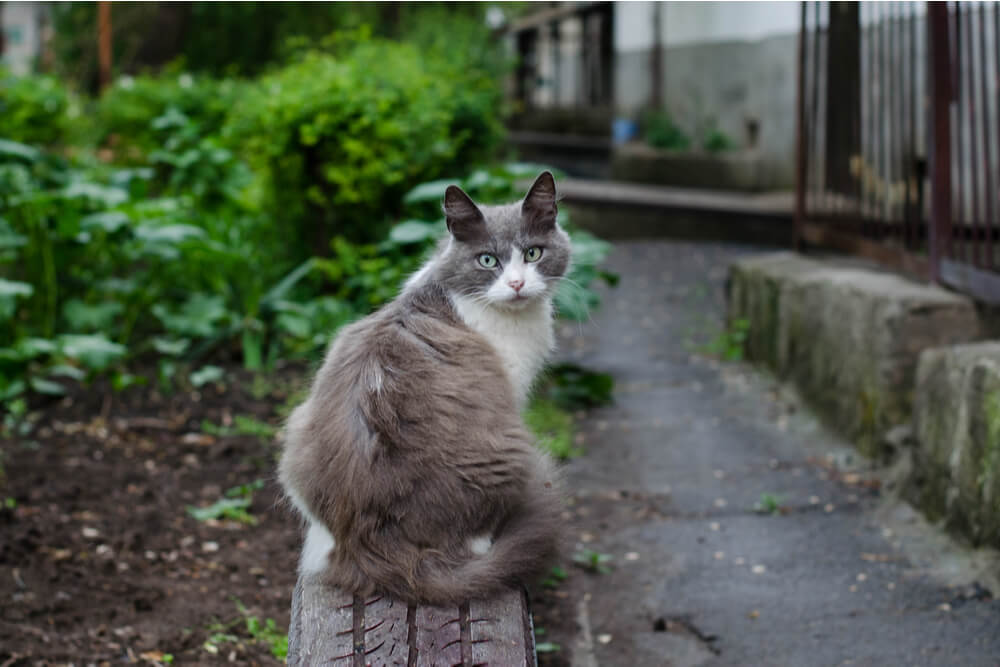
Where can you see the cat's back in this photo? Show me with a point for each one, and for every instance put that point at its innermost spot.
(410, 368)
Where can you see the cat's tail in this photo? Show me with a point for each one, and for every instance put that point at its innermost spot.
(523, 548)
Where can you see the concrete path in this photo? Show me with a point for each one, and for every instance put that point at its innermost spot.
(837, 576)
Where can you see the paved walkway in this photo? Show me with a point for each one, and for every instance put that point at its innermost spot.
(669, 481)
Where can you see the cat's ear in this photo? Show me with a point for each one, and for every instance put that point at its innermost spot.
(465, 220)
(539, 207)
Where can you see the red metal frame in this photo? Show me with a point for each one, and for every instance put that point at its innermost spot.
(925, 116)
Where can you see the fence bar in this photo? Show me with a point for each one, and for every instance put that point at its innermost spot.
(814, 113)
(988, 222)
(970, 66)
(800, 131)
(912, 200)
(939, 231)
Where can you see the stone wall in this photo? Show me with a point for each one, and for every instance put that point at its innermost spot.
(848, 337)
(956, 421)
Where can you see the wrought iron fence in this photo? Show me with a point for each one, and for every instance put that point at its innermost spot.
(899, 137)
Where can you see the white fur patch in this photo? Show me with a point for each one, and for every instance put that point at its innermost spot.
(480, 545)
(523, 338)
(318, 541)
(316, 549)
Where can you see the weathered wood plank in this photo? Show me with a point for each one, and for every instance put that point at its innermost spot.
(439, 637)
(500, 631)
(322, 627)
(386, 632)
(331, 628)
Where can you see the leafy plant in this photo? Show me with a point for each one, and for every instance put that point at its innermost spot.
(573, 387)
(34, 109)
(730, 343)
(242, 425)
(233, 506)
(553, 428)
(593, 561)
(769, 503)
(234, 509)
(338, 135)
(557, 575)
(660, 131)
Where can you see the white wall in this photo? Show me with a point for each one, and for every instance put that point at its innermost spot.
(22, 22)
(699, 22)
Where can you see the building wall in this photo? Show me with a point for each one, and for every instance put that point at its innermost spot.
(730, 64)
(23, 23)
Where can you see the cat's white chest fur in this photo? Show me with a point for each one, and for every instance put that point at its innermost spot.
(522, 338)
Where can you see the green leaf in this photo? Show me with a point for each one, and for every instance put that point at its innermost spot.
(173, 347)
(415, 231)
(152, 233)
(281, 289)
(94, 351)
(11, 390)
(32, 348)
(199, 316)
(95, 317)
(9, 238)
(428, 192)
(224, 508)
(108, 196)
(13, 149)
(206, 374)
(13, 288)
(65, 370)
(109, 221)
(49, 387)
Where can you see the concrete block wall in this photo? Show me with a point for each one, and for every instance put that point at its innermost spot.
(871, 351)
(849, 337)
(956, 421)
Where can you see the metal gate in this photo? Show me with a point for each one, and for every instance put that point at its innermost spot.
(898, 137)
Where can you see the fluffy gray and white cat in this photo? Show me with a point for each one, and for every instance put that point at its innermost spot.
(409, 459)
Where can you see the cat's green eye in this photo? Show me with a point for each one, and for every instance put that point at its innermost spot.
(533, 254)
(487, 261)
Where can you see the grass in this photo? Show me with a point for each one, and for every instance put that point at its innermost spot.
(553, 427)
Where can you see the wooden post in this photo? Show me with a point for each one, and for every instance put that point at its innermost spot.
(332, 628)
(104, 42)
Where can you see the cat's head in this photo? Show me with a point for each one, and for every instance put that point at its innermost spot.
(506, 256)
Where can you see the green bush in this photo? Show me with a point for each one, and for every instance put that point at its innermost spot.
(662, 132)
(125, 114)
(338, 138)
(33, 109)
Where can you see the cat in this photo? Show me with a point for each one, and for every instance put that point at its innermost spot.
(409, 460)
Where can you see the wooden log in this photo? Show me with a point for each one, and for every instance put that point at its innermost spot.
(332, 628)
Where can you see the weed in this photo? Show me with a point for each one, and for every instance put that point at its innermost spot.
(557, 575)
(242, 425)
(553, 427)
(729, 344)
(266, 632)
(769, 503)
(234, 506)
(593, 561)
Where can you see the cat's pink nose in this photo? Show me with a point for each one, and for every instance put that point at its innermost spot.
(516, 285)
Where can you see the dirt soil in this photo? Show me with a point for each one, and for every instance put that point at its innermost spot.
(100, 561)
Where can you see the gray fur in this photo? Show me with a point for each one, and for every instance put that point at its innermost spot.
(410, 443)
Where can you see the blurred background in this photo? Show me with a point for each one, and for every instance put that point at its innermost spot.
(195, 196)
